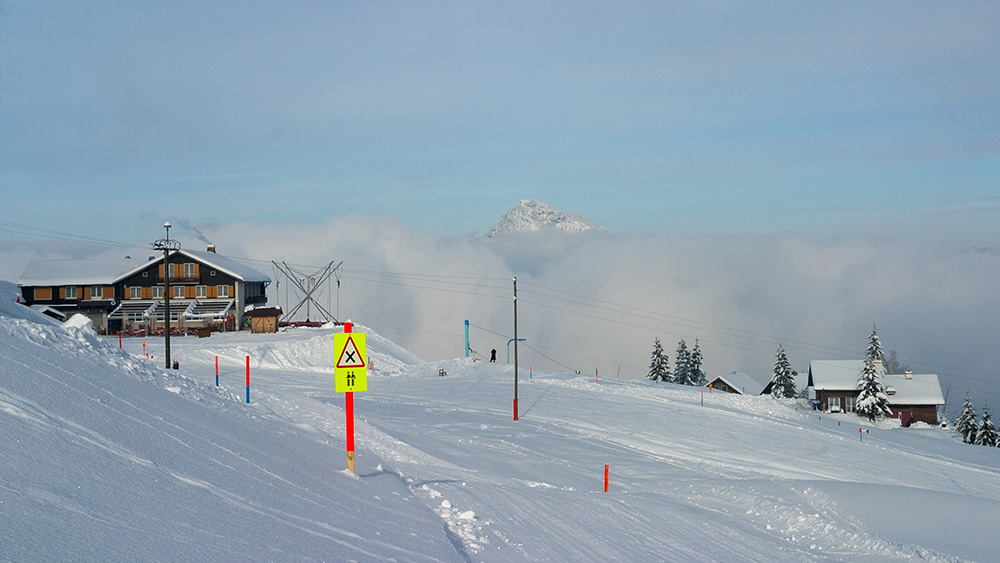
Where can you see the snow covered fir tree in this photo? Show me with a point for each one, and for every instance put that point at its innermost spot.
(873, 402)
(682, 359)
(696, 375)
(782, 382)
(687, 365)
(965, 422)
(659, 369)
(986, 435)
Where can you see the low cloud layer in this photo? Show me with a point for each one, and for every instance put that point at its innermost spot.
(597, 300)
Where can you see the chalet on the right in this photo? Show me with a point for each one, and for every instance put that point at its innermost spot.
(833, 387)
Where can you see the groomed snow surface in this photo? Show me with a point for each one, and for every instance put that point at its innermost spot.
(106, 455)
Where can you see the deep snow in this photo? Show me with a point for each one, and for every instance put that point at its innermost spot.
(106, 455)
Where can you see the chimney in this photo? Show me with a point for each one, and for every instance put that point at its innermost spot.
(908, 374)
(879, 368)
(211, 248)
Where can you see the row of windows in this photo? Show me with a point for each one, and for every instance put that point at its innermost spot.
(190, 270)
(72, 292)
(179, 292)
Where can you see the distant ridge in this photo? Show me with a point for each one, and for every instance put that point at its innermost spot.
(531, 215)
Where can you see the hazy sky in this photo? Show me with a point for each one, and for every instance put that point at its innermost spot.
(779, 171)
(699, 117)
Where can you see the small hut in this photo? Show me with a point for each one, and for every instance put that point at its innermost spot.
(263, 319)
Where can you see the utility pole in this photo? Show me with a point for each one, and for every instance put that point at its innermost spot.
(515, 348)
(166, 245)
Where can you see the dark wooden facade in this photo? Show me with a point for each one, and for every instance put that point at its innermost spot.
(127, 296)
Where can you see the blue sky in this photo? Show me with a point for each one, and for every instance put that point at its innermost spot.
(736, 117)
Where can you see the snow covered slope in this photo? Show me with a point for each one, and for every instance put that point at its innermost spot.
(531, 215)
(108, 456)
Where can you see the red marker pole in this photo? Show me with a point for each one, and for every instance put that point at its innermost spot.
(248, 380)
(349, 410)
(216, 371)
(606, 473)
(119, 340)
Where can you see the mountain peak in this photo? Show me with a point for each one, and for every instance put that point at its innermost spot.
(532, 215)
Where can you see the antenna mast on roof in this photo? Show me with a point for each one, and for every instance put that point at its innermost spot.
(309, 285)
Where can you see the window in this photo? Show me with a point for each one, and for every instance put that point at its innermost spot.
(849, 404)
(145, 274)
(96, 292)
(172, 271)
(71, 292)
(834, 404)
(222, 290)
(200, 291)
(188, 270)
(178, 292)
(43, 293)
(212, 273)
(134, 317)
(135, 292)
(157, 292)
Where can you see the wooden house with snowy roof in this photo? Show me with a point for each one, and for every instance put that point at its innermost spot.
(206, 290)
(833, 385)
(738, 383)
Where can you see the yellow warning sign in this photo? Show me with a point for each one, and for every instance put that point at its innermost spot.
(350, 373)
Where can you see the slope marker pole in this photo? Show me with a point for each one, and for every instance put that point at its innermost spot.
(248, 380)
(606, 475)
(349, 414)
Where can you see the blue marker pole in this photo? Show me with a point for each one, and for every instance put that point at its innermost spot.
(216, 371)
(466, 338)
(861, 434)
(248, 380)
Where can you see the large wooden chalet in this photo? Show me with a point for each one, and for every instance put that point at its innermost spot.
(206, 290)
(833, 386)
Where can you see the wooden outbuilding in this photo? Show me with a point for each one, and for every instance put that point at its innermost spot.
(263, 319)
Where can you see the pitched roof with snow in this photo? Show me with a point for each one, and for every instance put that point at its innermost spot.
(741, 382)
(74, 272)
(842, 375)
(920, 389)
(835, 375)
(108, 272)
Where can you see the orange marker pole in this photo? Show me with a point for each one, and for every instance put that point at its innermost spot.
(606, 472)
(349, 413)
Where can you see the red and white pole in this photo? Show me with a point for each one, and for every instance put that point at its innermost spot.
(349, 413)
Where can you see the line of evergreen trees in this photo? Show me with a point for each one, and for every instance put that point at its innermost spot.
(687, 365)
(983, 433)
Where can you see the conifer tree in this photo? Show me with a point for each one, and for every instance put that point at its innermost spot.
(986, 435)
(696, 375)
(682, 364)
(873, 401)
(659, 370)
(782, 382)
(965, 422)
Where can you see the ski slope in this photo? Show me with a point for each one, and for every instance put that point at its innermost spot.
(106, 455)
